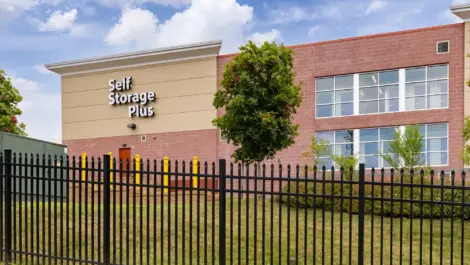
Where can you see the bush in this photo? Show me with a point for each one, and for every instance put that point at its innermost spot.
(389, 209)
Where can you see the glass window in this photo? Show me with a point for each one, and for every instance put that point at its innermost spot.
(426, 87)
(340, 143)
(435, 149)
(379, 85)
(374, 142)
(335, 96)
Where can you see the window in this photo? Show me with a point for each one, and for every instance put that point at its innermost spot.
(335, 96)
(435, 146)
(378, 92)
(372, 143)
(442, 47)
(426, 87)
(340, 143)
(409, 89)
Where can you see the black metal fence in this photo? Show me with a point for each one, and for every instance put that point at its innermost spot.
(54, 211)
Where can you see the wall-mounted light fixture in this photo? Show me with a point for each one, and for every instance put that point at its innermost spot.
(132, 126)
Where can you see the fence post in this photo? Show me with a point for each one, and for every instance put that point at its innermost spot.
(360, 255)
(165, 177)
(84, 165)
(8, 227)
(106, 211)
(222, 211)
(194, 169)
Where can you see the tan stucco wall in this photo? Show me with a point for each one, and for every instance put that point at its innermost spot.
(184, 92)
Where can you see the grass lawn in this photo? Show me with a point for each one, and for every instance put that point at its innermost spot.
(297, 234)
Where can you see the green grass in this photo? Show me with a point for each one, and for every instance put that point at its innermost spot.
(319, 226)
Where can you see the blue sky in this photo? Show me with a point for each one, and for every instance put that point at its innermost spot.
(36, 32)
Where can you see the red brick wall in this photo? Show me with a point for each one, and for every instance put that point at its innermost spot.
(175, 145)
(371, 53)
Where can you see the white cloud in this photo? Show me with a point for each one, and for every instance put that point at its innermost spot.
(203, 20)
(289, 14)
(460, 2)
(130, 3)
(59, 21)
(21, 5)
(376, 5)
(312, 30)
(449, 17)
(270, 36)
(41, 69)
(41, 110)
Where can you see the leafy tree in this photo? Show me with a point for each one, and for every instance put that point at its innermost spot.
(320, 148)
(259, 97)
(466, 137)
(405, 149)
(9, 99)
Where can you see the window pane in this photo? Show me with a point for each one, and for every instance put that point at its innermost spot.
(345, 81)
(437, 130)
(437, 158)
(325, 98)
(436, 72)
(368, 107)
(388, 77)
(385, 163)
(388, 105)
(388, 91)
(368, 93)
(369, 79)
(415, 89)
(387, 133)
(437, 144)
(436, 87)
(415, 74)
(344, 109)
(325, 83)
(344, 149)
(415, 103)
(344, 95)
(370, 148)
(422, 130)
(370, 161)
(386, 147)
(437, 101)
(325, 111)
(325, 136)
(328, 163)
(366, 135)
(344, 136)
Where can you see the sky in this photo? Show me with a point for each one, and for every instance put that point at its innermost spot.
(37, 32)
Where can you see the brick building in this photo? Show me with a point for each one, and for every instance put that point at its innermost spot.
(356, 93)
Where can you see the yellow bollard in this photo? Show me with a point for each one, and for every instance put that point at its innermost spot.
(137, 169)
(165, 176)
(111, 168)
(195, 178)
(83, 166)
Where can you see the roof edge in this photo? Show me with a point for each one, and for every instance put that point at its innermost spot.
(139, 54)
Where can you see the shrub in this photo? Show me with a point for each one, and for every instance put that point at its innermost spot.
(389, 209)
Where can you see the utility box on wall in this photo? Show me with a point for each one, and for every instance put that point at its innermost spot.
(33, 147)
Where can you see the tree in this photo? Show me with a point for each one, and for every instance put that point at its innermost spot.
(9, 99)
(259, 98)
(405, 149)
(466, 137)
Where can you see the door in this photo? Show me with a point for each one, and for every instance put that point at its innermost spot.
(125, 157)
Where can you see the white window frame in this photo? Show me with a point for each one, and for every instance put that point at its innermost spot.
(379, 142)
(378, 99)
(334, 142)
(357, 142)
(426, 95)
(401, 92)
(353, 88)
(448, 47)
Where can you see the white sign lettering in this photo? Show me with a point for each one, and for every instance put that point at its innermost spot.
(116, 97)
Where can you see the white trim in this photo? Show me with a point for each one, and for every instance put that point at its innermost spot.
(356, 94)
(139, 65)
(401, 89)
(437, 46)
(133, 55)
